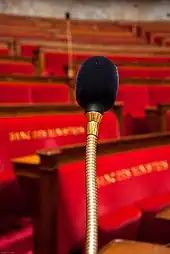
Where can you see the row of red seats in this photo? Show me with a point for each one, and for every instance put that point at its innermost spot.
(54, 62)
(129, 183)
(24, 135)
(55, 68)
(14, 92)
(16, 67)
(136, 99)
(129, 194)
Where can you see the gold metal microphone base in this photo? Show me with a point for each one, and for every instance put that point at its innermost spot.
(93, 122)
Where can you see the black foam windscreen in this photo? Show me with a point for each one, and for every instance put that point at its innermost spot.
(97, 84)
(67, 15)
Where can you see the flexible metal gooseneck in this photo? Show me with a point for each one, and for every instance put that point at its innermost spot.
(93, 121)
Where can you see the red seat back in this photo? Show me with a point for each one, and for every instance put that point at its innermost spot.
(159, 94)
(25, 135)
(135, 98)
(22, 68)
(122, 178)
(143, 72)
(33, 93)
(19, 93)
(50, 93)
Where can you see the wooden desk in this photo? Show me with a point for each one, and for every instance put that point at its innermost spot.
(164, 214)
(132, 247)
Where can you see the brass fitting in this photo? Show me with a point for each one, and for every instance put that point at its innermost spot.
(94, 119)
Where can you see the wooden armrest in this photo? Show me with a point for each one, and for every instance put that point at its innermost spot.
(151, 109)
(27, 166)
(118, 104)
(30, 159)
(164, 106)
(41, 201)
(164, 214)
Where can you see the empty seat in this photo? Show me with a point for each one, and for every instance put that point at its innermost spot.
(144, 72)
(25, 135)
(116, 217)
(136, 99)
(44, 131)
(51, 93)
(20, 68)
(159, 94)
(20, 92)
(15, 93)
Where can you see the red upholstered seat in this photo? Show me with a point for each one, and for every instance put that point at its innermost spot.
(136, 99)
(124, 222)
(159, 94)
(50, 93)
(38, 132)
(33, 93)
(25, 135)
(27, 49)
(140, 59)
(54, 62)
(117, 219)
(18, 241)
(150, 189)
(144, 72)
(20, 68)
(15, 93)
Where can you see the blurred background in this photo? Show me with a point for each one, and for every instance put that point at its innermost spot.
(86, 9)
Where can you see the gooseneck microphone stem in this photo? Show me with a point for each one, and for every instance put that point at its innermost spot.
(93, 121)
(96, 88)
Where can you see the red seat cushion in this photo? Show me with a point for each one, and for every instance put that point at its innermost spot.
(50, 93)
(154, 204)
(118, 218)
(144, 72)
(19, 241)
(135, 99)
(159, 94)
(22, 68)
(122, 223)
(152, 228)
(27, 49)
(38, 132)
(15, 93)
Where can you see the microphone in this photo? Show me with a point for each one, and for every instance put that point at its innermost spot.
(96, 89)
